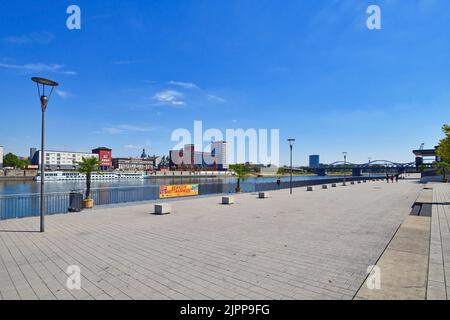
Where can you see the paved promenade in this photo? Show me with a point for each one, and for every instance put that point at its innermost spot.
(439, 262)
(312, 245)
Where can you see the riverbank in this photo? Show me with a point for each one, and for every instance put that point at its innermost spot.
(16, 178)
(17, 175)
(15, 203)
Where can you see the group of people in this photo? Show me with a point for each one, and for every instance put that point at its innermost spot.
(392, 177)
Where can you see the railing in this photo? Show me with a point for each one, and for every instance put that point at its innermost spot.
(27, 205)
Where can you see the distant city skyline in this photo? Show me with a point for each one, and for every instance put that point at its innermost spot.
(138, 70)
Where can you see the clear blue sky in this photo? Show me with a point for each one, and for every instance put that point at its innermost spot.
(139, 69)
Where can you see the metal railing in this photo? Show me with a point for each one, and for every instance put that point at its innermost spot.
(27, 205)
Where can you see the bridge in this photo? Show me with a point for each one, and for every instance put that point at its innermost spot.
(375, 166)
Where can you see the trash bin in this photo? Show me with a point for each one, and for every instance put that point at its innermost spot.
(75, 201)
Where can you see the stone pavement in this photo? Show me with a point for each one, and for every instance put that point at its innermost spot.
(312, 245)
(403, 267)
(439, 263)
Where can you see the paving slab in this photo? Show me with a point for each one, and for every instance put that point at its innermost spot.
(311, 245)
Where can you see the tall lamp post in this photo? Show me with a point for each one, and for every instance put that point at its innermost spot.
(370, 160)
(41, 83)
(345, 167)
(291, 146)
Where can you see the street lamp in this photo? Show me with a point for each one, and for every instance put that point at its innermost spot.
(291, 145)
(42, 83)
(370, 160)
(345, 167)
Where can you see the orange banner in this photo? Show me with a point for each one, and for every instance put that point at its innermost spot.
(184, 190)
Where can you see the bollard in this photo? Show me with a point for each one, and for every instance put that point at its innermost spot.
(263, 195)
(352, 183)
(310, 189)
(359, 182)
(163, 208)
(325, 186)
(227, 200)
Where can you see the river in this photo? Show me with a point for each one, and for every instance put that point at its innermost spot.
(30, 187)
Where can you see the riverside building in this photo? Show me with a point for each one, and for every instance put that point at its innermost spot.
(1, 157)
(59, 160)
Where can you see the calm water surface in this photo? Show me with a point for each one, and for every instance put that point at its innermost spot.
(27, 187)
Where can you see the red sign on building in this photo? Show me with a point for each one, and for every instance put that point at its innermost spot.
(105, 158)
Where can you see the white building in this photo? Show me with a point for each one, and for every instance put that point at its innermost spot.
(219, 150)
(1, 157)
(60, 160)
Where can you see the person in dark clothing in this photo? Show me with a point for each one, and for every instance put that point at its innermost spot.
(387, 178)
(396, 178)
(278, 182)
(392, 178)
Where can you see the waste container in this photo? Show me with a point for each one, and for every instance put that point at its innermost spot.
(75, 201)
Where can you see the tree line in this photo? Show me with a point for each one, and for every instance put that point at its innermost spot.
(13, 161)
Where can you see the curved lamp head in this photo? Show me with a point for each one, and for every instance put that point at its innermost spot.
(44, 83)
(291, 142)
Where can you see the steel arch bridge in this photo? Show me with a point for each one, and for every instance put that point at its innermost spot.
(375, 166)
(384, 163)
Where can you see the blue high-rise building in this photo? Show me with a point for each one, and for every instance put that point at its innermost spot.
(314, 161)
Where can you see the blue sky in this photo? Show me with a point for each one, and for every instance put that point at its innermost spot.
(137, 70)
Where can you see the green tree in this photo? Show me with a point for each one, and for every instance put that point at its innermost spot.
(87, 166)
(242, 171)
(442, 168)
(443, 150)
(11, 160)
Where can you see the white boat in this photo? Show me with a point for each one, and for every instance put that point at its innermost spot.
(76, 176)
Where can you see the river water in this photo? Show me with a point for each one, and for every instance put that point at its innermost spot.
(30, 187)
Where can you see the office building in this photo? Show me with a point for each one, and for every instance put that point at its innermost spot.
(1, 157)
(189, 159)
(105, 158)
(314, 161)
(219, 152)
(59, 160)
(134, 164)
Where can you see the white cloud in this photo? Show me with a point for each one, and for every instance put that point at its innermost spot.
(170, 97)
(186, 85)
(215, 98)
(38, 67)
(63, 94)
(124, 128)
(123, 62)
(131, 146)
(34, 37)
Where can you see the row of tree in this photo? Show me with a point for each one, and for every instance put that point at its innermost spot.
(13, 161)
(443, 152)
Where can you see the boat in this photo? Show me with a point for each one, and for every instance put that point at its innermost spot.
(76, 176)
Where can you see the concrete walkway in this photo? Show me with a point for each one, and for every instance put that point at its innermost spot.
(403, 267)
(312, 245)
(439, 263)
